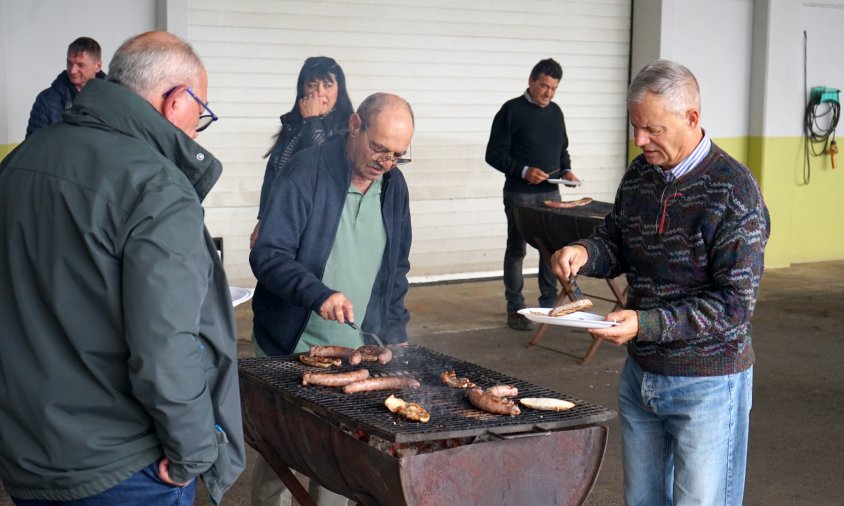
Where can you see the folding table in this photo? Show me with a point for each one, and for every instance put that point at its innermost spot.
(549, 229)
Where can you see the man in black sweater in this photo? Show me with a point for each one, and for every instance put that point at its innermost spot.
(528, 143)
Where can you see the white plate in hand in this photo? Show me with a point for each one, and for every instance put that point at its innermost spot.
(240, 295)
(580, 319)
(566, 182)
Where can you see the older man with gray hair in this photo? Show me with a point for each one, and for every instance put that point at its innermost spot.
(119, 381)
(689, 228)
(333, 247)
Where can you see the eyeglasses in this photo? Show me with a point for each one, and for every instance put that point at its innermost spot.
(320, 61)
(382, 155)
(667, 201)
(205, 120)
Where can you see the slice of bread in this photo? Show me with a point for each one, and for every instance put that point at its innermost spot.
(571, 307)
(546, 403)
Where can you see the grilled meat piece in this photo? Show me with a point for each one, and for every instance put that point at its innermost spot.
(334, 379)
(503, 391)
(324, 362)
(492, 404)
(450, 378)
(571, 307)
(381, 383)
(373, 353)
(410, 410)
(351, 355)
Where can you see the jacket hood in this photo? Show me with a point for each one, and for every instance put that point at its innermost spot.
(103, 103)
(62, 83)
(65, 88)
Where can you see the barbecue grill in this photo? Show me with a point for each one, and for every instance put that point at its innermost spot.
(354, 446)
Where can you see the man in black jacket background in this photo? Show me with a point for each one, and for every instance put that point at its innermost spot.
(84, 62)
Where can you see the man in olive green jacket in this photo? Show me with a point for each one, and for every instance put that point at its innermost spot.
(118, 370)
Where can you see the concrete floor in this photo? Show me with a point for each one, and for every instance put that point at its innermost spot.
(796, 445)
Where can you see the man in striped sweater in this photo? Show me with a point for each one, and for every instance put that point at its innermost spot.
(689, 228)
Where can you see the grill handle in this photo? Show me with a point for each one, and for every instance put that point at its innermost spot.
(537, 431)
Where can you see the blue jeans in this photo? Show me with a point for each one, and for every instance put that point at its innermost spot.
(515, 253)
(143, 488)
(684, 438)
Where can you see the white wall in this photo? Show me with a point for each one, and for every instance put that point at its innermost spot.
(714, 40)
(784, 93)
(35, 36)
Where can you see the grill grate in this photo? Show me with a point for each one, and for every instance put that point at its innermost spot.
(451, 414)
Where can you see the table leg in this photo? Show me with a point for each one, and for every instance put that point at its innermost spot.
(620, 296)
(596, 343)
(544, 326)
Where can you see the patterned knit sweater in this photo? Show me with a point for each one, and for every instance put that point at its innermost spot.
(694, 284)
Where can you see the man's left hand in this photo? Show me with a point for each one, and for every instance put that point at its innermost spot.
(569, 176)
(164, 473)
(619, 334)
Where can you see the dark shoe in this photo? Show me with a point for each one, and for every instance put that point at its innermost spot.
(517, 321)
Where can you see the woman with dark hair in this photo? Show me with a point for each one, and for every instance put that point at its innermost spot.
(321, 111)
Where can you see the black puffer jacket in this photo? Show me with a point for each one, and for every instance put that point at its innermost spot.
(297, 134)
(51, 103)
(118, 333)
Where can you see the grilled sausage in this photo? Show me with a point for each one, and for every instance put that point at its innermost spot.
(491, 403)
(335, 379)
(372, 353)
(381, 383)
(350, 354)
(503, 391)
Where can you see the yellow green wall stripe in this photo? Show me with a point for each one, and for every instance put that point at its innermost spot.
(807, 221)
(5, 149)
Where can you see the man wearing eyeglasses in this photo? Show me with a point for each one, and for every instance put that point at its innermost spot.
(529, 144)
(335, 239)
(119, 363)
(689, 228)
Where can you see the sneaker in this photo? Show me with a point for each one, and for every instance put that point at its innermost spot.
(517, 321)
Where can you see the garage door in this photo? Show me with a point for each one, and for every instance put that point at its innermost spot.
(456, 63)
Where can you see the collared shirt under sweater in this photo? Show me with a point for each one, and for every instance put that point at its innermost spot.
(694, 284)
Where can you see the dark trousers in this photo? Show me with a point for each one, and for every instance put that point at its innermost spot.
(515, 253)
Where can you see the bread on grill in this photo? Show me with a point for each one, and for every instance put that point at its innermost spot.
(546, 403)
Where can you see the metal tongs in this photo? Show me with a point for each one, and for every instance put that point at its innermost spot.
(364, 334)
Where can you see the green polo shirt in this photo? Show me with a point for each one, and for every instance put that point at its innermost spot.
(352, 267)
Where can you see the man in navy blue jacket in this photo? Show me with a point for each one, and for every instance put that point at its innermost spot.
(334, 244)
(336, 238)
(84, 62)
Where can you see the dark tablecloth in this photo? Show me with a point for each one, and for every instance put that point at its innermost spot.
(545, 227)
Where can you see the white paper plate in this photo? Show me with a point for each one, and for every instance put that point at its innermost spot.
(240, 295)
(578, 319)
(565, 182)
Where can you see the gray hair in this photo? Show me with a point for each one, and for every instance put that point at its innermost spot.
(669, 80)
(372, 106)
(154, 62)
